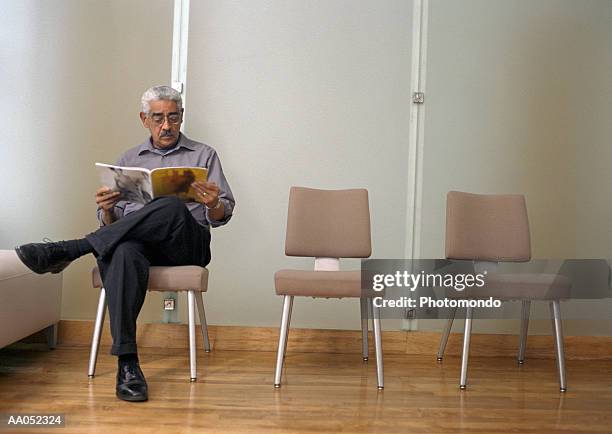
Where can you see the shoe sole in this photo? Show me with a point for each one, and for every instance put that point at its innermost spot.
(132, 398)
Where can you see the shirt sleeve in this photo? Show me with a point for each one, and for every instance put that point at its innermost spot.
(119, 207)
(215, 174)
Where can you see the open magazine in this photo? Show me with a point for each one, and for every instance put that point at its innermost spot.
(138, 184)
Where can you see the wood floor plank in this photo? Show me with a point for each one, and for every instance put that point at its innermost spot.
(238, 338)
(320, 393)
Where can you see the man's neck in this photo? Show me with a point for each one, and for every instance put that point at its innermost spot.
(166, 149)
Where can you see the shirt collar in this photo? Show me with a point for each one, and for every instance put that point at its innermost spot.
(183, 142)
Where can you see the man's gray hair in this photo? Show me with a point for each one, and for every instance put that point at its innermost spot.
(157, 93)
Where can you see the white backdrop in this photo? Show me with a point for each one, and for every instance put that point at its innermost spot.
(313, 93)
(309, 93)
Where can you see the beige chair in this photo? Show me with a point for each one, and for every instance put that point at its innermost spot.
(190, 278)
(327, 225)
(489, 229)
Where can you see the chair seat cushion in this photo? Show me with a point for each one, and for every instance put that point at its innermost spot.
(178, 278)
(528, 286)
(333, 284)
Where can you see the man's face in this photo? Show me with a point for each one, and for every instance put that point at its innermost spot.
(164, 122)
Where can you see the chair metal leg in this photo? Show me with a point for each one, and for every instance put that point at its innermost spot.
(371, 311)
(364, 328)
(557, 329)
(282, 339)
(378, 347)
(95, 340)
(192, 335)
(524, 330)
(51, 335)
(446, 333)
(466, 347)
(203, 325)
(289, 322)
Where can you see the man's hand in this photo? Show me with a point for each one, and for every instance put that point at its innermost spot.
(207, 194)
(106, 200)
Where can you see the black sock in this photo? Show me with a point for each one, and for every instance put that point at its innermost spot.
(78, 248)
(128, 357)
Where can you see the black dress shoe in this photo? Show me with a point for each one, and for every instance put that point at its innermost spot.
(131, 383)
(44, 257)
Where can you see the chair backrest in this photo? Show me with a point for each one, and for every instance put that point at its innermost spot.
(487, 227)
(328, 223)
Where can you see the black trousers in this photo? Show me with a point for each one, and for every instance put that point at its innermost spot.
(163, 232)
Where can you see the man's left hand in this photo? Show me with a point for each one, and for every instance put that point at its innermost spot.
(207, 193)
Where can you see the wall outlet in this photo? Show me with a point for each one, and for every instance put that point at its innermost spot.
(168, 304)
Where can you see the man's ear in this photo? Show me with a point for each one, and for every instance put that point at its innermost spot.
(143, 118)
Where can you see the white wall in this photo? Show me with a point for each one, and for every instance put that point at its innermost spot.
(310, 93)
(518, 101)
(72, 74)
(592, 114)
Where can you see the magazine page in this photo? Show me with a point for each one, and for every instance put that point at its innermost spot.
(134, 183)
(176, 181)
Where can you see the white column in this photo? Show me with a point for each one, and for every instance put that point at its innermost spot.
(415, 146)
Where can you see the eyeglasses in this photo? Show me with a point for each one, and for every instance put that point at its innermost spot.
(158, 118)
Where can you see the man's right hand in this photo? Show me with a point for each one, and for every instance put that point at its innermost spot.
(106, 200)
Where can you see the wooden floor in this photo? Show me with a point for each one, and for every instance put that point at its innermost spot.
(321, 393)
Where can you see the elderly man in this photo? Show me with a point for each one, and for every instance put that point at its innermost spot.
(133, 236)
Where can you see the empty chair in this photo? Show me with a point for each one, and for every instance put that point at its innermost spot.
(327, 225)
(190, 278)
(489, 229)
